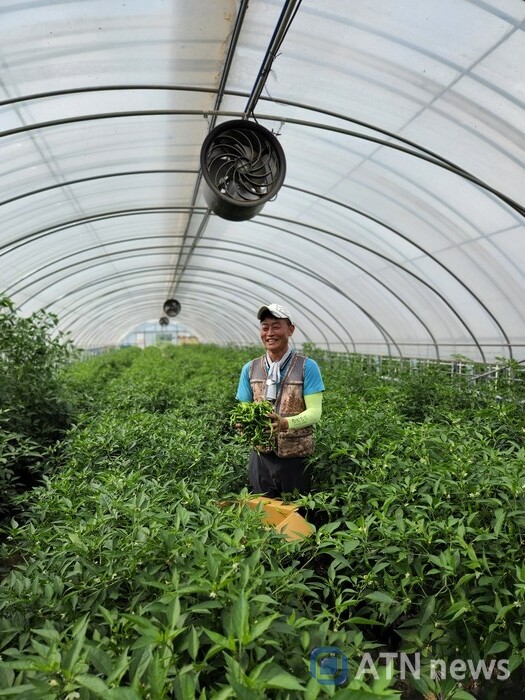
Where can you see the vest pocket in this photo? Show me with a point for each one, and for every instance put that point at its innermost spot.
(295, 443)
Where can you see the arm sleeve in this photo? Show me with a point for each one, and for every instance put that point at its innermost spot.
(314, 405)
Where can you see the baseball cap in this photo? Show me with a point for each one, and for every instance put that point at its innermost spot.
(275, 310)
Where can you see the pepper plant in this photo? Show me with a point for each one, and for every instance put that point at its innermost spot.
(124, 575)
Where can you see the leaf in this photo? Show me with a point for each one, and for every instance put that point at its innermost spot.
(515, 662)
(261, 626)
(120, 668)
(101, 660)
(75, 539)
(29, 689)
(330, 527)
(213, 565)
(222, 642)
(276, 677)
(142, 624)
(263, 598)
(185, 686)
(93, 683)
(456, 610)
(498, 647)
(380, 566)
(240, 613)
(139, 663)
(193, 643)
(502, 612)
(234, 667)
(256, 672)
(173, 613)
(79, 633)
(386, 678)
(499, 519)
(363, 621)
(156, 676)
(380, 597)
(427, 609)
(223, 694)
(241, 691)
(47, 633)
(313, 689)
(122, 694)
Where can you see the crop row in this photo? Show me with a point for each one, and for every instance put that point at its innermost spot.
(126, 577)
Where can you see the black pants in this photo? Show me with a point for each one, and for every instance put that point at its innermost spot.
(273, 476)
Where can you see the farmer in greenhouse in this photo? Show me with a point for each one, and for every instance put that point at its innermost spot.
(293, 384)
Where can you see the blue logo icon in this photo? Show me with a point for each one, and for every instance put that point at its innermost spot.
(329, 666)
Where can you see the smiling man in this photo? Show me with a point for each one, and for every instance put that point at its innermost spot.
(293, 384)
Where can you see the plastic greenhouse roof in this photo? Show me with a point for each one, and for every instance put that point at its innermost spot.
(399, 228)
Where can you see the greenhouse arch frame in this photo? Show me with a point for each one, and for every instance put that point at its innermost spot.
(399, 227)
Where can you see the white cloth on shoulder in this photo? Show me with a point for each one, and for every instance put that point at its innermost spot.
(274, 375)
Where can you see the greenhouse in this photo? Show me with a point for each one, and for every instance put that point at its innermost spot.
(399, 223)
(168, 169)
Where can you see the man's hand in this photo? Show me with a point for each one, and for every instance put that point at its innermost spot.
(279, 424)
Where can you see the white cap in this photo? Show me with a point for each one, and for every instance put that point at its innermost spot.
(275, 310)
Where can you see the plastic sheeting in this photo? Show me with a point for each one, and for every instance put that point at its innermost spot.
(399, 229)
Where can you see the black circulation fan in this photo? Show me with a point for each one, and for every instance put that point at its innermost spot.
(243, 166)
(163, 321)
(171, 307)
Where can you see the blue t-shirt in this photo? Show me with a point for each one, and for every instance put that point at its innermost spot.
(313, 382)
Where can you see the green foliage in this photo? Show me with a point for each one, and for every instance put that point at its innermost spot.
(15, 450)
(87, 381)
(136, 572)
(33, 409)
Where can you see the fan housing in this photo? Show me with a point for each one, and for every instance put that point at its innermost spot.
(171, 307)
(243, 166)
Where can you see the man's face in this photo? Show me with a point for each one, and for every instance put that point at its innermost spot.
(275, 333)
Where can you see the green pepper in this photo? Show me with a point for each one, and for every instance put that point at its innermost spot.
(256, 427)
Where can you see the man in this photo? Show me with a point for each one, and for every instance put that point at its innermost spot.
(293, 384)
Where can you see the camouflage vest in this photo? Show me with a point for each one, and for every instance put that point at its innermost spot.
(289, 402)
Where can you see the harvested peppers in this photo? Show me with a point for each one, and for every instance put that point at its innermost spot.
(255, 428)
